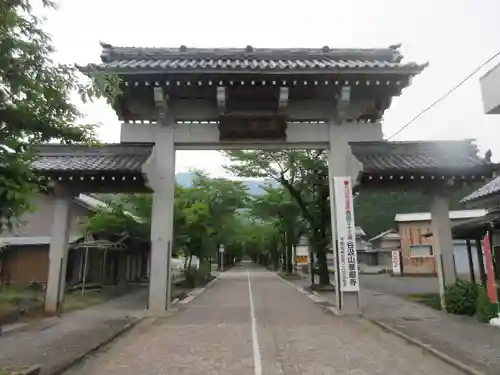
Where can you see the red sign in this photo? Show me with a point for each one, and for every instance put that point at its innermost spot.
(344, 215)
(396, 263)
(490, 287)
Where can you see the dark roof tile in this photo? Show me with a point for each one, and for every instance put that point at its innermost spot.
(106, 158)
(485, 191)
(419, 157)
(254, 59)
(378, 157)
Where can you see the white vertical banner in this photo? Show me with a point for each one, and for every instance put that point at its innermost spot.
(346, 234)
(396, 263)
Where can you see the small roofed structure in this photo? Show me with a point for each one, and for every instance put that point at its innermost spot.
(103, 245)
(435, 168)
(486, 195)
(455, 215)
(383, 244)
(476, 228)
(390, 234)
(472, 231)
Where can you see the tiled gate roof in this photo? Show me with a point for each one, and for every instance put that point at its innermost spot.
(434, 158)
(106, 158)
(257, 60)
(449, 157)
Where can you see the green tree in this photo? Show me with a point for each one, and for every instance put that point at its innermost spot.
(206, 215)
(280, 210)
(260, 240)
(193, 225)
(304, 174)
(129, 214)
(239, 236)
(224, 198)
(35, 101)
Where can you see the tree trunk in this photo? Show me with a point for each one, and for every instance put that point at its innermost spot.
(283, 254)
(275, 256)
(311, 264)
(319, 244)
(289, 247)
(324, 277)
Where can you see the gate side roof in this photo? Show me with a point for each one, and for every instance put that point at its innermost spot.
(381, 158)
(460, 156)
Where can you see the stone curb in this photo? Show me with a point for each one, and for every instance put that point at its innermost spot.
(32, 370)
(35, 370)
(436, 353)
(329, 309)
(196, 292)
(428, 348)
(127, 327)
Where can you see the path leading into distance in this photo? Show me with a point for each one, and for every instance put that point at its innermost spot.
(250, 322)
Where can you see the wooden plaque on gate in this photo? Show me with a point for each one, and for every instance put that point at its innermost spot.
(252, 127)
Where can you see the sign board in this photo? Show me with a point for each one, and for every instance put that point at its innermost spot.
(491, 289)
(301, 259)
(221, 248)
(396, 263)
(346, 236)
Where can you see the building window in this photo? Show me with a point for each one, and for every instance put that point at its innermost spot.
(420, 251)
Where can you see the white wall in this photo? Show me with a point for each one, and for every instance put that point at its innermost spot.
(461, 259)
(490, 90)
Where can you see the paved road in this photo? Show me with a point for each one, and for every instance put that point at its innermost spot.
(56, 341)
(399, 285)
(252, 323)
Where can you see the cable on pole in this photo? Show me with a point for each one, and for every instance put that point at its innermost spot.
(440, 99)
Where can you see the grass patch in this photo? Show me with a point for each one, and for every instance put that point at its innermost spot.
(429, 299)
(75, 301)
(12, 370)
(11, 294)
(20, 302)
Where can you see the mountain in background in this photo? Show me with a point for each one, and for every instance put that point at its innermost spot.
(375, 209)
(185, 179)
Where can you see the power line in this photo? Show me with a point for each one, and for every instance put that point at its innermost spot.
(444, 96)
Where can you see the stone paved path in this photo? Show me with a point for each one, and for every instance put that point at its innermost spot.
(55, 342)
(463, 338)
(250, 322)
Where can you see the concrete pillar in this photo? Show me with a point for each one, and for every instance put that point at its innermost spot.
(160, 171)
(58, 254)
(442, 241)
(340, 164)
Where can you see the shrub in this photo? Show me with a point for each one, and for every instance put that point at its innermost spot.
(197, 277)
(485, 310)
(461, 298)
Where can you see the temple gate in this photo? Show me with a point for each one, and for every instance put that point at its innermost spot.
(212, 99)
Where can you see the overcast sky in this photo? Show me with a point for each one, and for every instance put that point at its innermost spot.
(455, 36)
